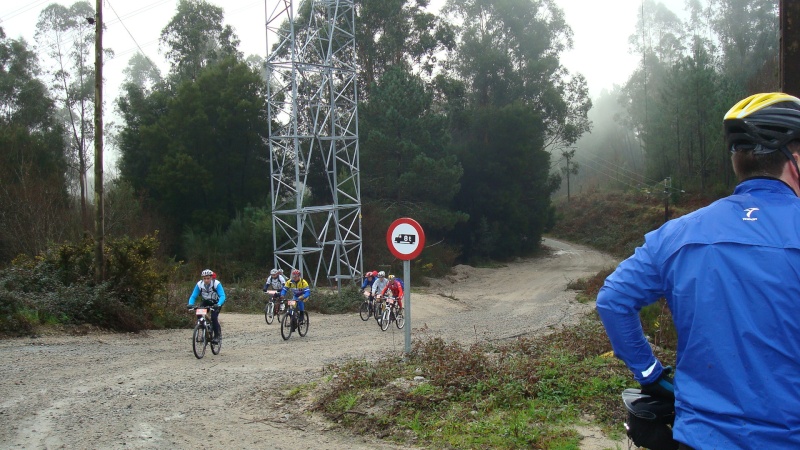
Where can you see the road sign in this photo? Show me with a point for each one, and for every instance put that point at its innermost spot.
(405, 238)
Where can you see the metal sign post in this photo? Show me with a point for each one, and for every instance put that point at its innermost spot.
(406, 240)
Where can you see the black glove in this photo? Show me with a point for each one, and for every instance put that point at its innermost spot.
(190, 307)
(662, 387)
(216, 307)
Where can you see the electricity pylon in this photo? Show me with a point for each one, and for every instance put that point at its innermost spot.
(313, 139)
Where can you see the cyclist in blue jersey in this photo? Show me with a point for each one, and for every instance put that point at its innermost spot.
(212, 294)
(369, 280)
(730, 273)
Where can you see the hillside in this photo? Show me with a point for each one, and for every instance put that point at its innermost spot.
(616, 222)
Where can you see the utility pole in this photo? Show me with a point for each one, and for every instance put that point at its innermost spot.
(568, 155)
(99, 272)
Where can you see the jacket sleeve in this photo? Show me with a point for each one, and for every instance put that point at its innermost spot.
(306, 291)
(194, 295)
(221, 293)
(634, 284)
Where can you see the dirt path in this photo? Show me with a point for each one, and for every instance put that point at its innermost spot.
(149, 391)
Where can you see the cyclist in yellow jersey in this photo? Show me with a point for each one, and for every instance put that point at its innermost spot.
(299, 289)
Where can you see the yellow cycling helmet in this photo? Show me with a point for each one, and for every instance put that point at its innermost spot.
(391, 277)
(763, 123)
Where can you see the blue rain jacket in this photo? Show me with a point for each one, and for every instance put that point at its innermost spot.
(730, 273)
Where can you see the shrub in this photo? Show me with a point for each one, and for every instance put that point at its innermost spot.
(58, 286)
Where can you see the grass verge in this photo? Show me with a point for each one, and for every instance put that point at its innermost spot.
(526, 393)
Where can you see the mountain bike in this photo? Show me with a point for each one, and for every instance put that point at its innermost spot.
(367, 307)
(274, 309)
(392, 313)
(378, 308)
(290, 321)
(650, 419)
(203, 333)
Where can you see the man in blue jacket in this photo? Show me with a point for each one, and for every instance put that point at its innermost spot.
(730, 273)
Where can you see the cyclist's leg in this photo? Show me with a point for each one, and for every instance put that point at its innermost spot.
(301, 306)
(215, 321)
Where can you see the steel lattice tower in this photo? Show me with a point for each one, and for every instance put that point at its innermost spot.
(313, 139)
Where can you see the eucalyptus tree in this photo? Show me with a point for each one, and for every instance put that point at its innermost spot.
(399, 34)
(196, 37)
(749, 36)
(66, 37)
(34, 207)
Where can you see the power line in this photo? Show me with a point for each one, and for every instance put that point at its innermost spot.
(609, 174)
(132, 38)
(627, 173)
(22, 10)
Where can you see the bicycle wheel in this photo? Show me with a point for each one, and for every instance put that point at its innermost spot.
(269, 312)
(302, 329)
(378, 313)
(215, 348)
(364, 311)
(280, 311)
(286, 326)
(399, 320)
(385, 319)
(199, 341)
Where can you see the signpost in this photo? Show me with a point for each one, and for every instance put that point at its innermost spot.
(406, 240)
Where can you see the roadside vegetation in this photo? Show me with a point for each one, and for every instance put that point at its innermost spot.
(524, 393)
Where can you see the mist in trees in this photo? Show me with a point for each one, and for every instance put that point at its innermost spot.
(692, 69)
(68, 39)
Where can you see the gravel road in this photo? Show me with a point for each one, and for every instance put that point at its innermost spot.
(147, 390)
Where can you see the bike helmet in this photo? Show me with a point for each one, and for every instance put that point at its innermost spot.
(763, 123)
(273, 272)
(391, 277)
(374, 273)
(207, 273)
(296, 272)
(381, 274)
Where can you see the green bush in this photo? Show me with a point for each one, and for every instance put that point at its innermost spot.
(58, 286)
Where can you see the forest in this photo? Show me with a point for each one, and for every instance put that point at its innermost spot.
(468, 121)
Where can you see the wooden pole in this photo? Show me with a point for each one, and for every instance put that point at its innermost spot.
(99, 231)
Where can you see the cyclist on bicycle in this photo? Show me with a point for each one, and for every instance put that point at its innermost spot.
(379, 283)
(396, 287)
(729, 275)
(275, 281)
(300, 291)
(213, 295)
(369, 280)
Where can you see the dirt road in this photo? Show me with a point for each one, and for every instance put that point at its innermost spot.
(149, 391)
